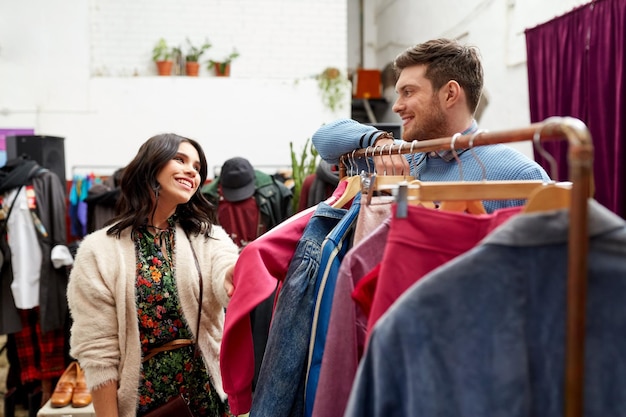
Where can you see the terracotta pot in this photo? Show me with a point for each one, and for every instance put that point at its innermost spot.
(164, 67)
(222, 70)
(192, 69)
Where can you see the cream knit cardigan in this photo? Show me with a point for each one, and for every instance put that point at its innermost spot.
(101, 295)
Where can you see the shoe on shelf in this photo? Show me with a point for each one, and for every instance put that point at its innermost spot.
(62, 394)
(81, 396)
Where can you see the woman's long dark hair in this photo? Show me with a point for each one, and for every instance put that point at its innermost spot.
(139, 185)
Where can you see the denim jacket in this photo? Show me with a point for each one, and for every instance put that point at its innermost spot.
(280, 386)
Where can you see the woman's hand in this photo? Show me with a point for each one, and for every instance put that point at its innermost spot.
(104, 400)
(229, 285)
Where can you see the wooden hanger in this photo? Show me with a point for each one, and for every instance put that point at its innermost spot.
(467, 196)
(465, 206)
(352, 189)
(549, 197)
(471, 190)
(387, 182)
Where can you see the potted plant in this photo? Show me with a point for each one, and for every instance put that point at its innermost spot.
(162, 55)
(222, 68)
(302, 165)
(192, 58)
(333, 87)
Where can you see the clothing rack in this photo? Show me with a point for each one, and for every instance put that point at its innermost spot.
(99, 170)
(269, 169)
(580, 162)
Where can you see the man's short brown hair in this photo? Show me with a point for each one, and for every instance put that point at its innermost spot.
(445, 60)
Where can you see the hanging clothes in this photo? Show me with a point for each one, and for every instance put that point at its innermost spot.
(281, 383)
(101, 200)
(371, 215)
(78, 210)
(347, 325)
(423, 241)
(334, 248)
(49, 196)
(34, 276)
(266, 259)
(25, 252)
(484, 334)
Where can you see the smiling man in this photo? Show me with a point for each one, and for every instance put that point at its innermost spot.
(439, 84)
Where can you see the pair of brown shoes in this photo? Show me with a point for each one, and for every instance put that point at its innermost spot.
(71, 388)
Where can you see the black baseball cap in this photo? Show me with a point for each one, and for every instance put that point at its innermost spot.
(237, 179)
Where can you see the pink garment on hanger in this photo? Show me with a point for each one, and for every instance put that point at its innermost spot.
(422, 241)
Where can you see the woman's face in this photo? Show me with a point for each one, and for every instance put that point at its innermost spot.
(180, 177)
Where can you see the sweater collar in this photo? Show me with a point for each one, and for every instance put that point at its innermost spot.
(448, 155)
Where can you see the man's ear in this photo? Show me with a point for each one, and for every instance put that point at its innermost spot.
(452, 93)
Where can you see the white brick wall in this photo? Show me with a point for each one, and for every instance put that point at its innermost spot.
(276, 38)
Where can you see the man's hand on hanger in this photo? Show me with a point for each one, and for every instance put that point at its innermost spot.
(386, 164)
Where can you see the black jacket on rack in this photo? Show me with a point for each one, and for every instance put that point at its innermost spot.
(51, 210)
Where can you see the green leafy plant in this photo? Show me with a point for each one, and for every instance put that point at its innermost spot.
(333, 86)
(161, 51)
(195, 52)
(302, 165)
(221, 65)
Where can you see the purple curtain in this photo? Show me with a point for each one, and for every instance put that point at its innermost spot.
(576, 67)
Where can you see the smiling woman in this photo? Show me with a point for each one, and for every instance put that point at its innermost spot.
(177, 181)
(132, 263)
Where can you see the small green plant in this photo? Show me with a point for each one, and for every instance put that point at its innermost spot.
(221, 65)
(195, 52)
(333, 86)
(161, 51)
(302, 165)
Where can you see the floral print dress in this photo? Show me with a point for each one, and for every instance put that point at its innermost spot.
(161, 320)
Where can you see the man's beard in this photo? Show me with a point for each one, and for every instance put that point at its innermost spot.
(431, 125)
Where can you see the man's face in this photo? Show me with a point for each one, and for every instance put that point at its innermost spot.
(419, 106)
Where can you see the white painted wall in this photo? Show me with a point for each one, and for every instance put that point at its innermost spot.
(82, 70)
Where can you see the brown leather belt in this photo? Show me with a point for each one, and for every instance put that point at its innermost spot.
(171, 345)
